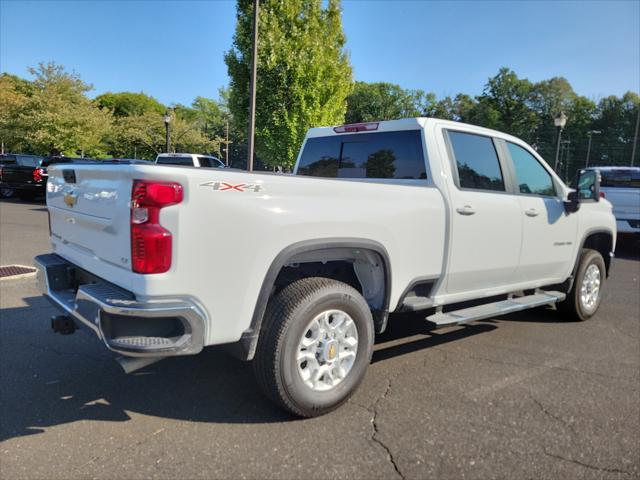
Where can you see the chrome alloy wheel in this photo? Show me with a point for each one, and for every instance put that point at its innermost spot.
(327, 350)
(590, 289)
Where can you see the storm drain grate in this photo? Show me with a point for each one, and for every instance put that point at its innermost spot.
(15, 270)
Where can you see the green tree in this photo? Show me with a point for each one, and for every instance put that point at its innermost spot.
(548, 98)
(505, 104)
(58, 116)
(145, 135)
(616, 118)
(304, 75)
(125, 104)
(210, 115)
(14, 93)
(370, 102)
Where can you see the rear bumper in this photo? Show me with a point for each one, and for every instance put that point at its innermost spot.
(128, 326)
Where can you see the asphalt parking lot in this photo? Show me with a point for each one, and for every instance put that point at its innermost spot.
(523, 396)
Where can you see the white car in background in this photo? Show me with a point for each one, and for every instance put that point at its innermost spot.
(621, 186)
(190, 160)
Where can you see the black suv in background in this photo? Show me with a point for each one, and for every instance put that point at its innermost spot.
(26, 175)
(22, 175)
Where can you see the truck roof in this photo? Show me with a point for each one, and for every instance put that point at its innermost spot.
(613, 168)
(414, 123)
(185, 154)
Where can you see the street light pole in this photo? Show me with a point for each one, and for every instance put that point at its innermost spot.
(590, 133)
(226, 145)
(560, 121)
(167, 121)
(252, 87)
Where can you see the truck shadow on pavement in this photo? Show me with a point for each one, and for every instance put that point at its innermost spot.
(47, 379)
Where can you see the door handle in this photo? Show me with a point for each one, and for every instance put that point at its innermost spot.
(532, 212)
(466, 210)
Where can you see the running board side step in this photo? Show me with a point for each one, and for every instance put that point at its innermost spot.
(489, 310)
(414, 304)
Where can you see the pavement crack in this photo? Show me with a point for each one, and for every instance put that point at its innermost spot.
(555, 418)
(376, 429)
(585, 465)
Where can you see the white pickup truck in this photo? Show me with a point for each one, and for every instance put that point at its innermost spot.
(190, 160)
(298, 272)
(621, 187)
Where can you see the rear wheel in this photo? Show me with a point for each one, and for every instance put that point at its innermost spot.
(584, 299)
(315, 345)
(6, 192)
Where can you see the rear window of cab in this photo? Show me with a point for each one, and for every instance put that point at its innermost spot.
(620, 178)
(397, 155)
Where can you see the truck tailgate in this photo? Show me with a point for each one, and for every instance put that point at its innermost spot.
(89, 215)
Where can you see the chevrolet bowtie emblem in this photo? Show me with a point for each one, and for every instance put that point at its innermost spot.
(332, 352)
(70, 199)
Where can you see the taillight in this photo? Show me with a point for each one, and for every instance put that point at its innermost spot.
(37, 175)
(150, 241)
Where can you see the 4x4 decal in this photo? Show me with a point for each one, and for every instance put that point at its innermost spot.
(238, 187)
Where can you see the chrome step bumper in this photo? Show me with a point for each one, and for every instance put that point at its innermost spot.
(127, 326)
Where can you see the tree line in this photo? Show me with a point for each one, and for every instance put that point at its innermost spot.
(304, 80)
(52, 114)
(521, 108)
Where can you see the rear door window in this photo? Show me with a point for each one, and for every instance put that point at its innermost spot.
(620, 178)
(477, 162)
(397, 155)
(7, 159)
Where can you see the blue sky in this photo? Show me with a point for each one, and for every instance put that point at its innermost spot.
(174, 50)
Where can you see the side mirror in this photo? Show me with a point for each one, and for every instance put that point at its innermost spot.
(588, 185)
(587, 188)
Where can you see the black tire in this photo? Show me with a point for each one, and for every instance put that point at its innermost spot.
(286, 319)
(572, 307)
(6, 192)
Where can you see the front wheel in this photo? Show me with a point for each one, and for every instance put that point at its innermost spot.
(315, 345)
(584, 299)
